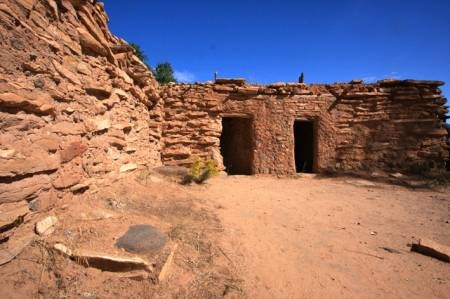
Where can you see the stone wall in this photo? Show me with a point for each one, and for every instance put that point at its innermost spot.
(75, 104)
(390, 125)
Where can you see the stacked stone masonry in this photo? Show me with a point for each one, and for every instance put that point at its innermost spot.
(77, 107)
(390, 125)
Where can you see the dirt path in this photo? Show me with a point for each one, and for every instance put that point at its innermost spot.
(254, 237)
(310, 238)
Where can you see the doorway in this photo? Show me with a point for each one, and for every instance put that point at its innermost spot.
(236, 145)
(304, 146)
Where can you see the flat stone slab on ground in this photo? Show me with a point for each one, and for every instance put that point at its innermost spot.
(142, 239)
(105, 262)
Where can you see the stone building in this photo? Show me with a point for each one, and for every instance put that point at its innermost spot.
(284, 128)
(79, 110)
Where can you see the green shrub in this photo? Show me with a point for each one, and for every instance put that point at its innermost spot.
(201, 171)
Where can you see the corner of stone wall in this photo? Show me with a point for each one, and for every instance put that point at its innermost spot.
(77, 107)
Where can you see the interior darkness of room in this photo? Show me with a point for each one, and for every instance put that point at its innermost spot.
(236, 145)
(304, 146)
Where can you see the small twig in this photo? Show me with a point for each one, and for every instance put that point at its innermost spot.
(225, 255)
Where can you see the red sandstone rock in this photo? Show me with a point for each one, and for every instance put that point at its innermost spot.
(66, 179)
(25, 189)
(74, 149)
(63, 48)
(35, 102)
(38, 163)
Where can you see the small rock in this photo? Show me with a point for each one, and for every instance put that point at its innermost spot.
(67, 179)
(128, 167)
(39, 83)
(99, 124)
(80, 187)
(17, 44)
(63, 249)
(47, 226)
(377, 174)
(83, 68)
(69, 110)
(396, 175)
(7, 154)
(164, 273)
(72, 150)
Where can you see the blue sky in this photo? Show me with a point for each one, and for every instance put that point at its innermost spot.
(274, 40)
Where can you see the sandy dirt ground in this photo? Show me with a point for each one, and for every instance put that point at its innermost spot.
(332, 238)
(246, 237)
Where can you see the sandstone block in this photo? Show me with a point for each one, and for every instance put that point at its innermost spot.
(220, 88)
(15, 246)
(89, 44)
(248, 90)
(68, 128)
(100, 92)
(98, 124)
(48, 143)
(105, 262)
(28, 4)
(46, 226)
(128, 167)
(40, 161)
(25, 189)
(12, 214)
(7, 153)
(84, 69)
(72, 150)
(33, 102)
(66, 179)
(66, 73)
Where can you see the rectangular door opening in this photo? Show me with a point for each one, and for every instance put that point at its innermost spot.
(304, 146)
(236, 145)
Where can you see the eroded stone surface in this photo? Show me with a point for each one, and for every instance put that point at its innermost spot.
(46, 226)
(142, 239)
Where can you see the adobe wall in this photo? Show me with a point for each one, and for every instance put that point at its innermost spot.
(389, 125)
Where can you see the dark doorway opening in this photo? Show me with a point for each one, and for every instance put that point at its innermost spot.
(304, 146)
(236, 145)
